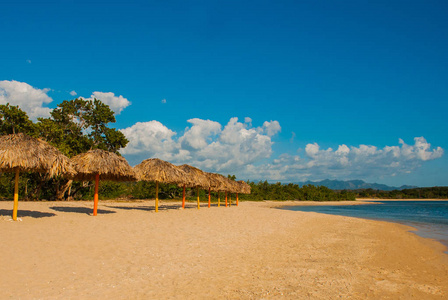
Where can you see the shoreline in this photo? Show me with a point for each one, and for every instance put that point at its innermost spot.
(412, 227)
(249, 251)
(377, 199)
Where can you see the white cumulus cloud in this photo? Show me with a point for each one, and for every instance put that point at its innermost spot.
(237, 146)
(198, 136)
(346, 162)
(151, 138)
(28, 98)
(240, 149)
(271, 128)
(33, 100)
(205, 144)
(116, 103)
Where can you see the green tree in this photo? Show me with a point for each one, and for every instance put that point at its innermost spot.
(77, 126)
(231, 177)
(15, 120)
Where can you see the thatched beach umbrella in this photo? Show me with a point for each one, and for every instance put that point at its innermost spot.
(97, 163)
(232, 187)
(226, 186)
(154, 169)
(217, 183)
(22, 153)
(197, 177)
(244, 188)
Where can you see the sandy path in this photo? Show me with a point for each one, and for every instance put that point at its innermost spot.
(248, 252)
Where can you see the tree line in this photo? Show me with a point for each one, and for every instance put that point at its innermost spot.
(415, 193)
(78, 125)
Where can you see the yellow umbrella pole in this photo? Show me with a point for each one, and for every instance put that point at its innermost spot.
(157, 196)
(209, 198)
(219, 200)
(197, 188)
(95, 197)
(183, 197)
(236, 199)
(16, 196)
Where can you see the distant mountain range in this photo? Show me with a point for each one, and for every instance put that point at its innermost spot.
(354, 185)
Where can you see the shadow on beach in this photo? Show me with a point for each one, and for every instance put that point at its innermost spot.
(152, 208)
(26, 213)
(147, 208)
(80, 210)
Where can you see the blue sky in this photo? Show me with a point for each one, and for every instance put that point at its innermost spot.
(321, 89)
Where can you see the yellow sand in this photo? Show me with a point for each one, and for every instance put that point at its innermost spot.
(59, 251)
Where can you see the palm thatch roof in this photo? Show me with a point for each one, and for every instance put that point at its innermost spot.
(244, 187)
(197, 177)
(27, 154)
(217, 182)
(233, 186)
(108, 165)
(154, 169)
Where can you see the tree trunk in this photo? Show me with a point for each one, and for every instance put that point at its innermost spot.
(60, 192)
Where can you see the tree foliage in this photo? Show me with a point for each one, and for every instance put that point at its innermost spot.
(15, 120)
(416, 193)
(79, 125)
(277, 191)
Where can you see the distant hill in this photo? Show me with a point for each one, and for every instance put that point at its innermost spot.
(354, 185)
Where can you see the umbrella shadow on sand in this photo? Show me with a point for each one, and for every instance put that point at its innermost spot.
(27, 213)
(149, 208)
(145, 208)
(80, 210)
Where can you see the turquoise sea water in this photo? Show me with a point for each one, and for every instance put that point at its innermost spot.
(430, 218)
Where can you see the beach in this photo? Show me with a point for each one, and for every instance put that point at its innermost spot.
(253, 251)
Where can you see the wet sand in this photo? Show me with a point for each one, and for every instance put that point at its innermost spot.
(253, 251)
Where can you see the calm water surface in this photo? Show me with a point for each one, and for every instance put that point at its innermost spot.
(429, 217)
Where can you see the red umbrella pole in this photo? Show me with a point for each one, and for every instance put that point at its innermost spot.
(199, 204)
(183, 197)
(95, 197)
(209, 198)
(236, 199)
(16, 196)
(226, 198)
(157, 196)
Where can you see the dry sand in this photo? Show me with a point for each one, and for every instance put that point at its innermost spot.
(59, 251)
